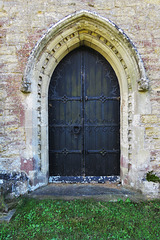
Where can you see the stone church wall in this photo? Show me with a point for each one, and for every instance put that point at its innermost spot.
(22, 24)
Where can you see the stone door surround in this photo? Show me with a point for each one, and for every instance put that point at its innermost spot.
(89, 29)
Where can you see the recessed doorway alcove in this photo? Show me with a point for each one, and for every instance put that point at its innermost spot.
(86, 29)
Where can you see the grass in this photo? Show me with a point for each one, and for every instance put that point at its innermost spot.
(83, 219)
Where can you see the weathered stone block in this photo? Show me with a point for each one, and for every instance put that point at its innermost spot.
(14, 182)
(151, 189)
(152, 131)
(151, 119)
(27, 165)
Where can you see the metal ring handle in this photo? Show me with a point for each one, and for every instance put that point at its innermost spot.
(76, 129)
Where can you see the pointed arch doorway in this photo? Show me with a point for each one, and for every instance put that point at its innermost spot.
(90, 30)
(84, 118)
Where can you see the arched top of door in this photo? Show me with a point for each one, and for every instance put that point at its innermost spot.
(89, 29)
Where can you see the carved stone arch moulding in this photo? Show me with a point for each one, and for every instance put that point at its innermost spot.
(86, 28)
(92, 30)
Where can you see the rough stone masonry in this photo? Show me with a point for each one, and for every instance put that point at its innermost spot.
(22, 26)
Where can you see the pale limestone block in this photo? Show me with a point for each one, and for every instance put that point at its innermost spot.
(76, 44)
(42, 61)
(149, 119)
(152, 131)
(50, 67)
(9, 59)
(61, 53)
(13, 39)
(8, 50)
(52, 45)
(151, 189)
(69, 33)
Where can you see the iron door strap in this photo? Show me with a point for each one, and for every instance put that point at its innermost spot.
(66, 151)
(103, 151)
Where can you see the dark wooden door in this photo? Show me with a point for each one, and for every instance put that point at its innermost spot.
(84, 116)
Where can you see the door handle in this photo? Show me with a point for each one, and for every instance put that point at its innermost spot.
(76, 129)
